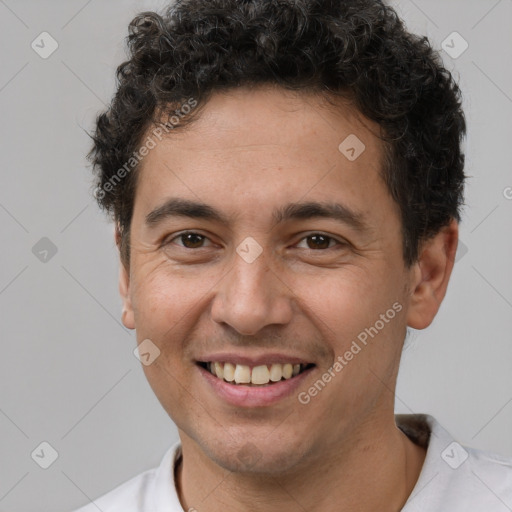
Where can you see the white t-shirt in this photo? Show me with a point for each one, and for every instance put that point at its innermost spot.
(453, 478)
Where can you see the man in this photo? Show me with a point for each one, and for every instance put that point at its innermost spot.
(285, 178)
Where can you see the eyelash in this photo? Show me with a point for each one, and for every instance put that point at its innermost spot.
(204, 237)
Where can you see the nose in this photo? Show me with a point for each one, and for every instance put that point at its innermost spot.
(251, 296)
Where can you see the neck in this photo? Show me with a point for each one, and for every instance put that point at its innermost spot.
(376, 469)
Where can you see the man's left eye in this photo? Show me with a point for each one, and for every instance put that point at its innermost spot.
(318, 241)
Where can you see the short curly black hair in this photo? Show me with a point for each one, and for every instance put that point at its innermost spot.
(348, 48)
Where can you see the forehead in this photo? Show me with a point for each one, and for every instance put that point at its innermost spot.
(266, 142)
(256, 115)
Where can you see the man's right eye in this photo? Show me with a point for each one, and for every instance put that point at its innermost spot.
(189, 239)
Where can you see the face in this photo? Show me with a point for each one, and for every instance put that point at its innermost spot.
(240, 257)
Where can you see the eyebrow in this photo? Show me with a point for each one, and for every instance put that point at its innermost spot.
(176, 207)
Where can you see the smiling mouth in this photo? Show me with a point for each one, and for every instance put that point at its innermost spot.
(262, 375)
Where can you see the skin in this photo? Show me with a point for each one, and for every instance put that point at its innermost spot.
(248, 152)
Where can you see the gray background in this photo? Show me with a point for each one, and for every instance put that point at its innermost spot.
(67, 372)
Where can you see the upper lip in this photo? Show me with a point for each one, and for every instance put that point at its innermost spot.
(256, 360)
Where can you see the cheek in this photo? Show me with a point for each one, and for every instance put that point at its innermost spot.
(344, 302)
(168, 305)
(347, 311)
(162, 297)
(168, 384)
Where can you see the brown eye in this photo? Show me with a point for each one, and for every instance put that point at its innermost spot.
(319, 241)
(190, 240)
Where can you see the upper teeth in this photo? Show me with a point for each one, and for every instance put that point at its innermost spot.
(263, 374)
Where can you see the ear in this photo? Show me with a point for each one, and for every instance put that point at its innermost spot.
(127, 317)
(430, 275)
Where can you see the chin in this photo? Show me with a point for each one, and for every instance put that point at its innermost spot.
(255, 457)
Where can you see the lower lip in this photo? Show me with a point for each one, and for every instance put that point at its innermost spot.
(254, 396)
